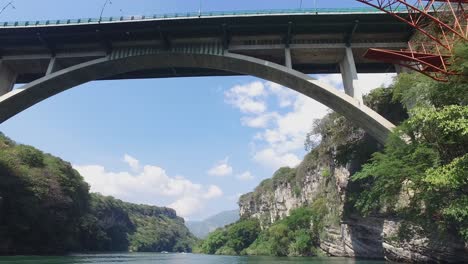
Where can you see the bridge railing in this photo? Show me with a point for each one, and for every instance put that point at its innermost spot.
(304, 11)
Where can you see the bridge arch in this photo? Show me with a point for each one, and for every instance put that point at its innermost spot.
(128, 60)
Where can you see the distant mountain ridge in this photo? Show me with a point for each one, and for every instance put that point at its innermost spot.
(202, 228)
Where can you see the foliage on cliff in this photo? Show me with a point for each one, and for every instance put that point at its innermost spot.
(46, 207)
(42, 200)
(421, 174)
(334, 141)
(114, 225)
(295, 235)
(158, 229)
(230, 240)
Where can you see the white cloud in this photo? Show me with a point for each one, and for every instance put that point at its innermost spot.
(282, 134)
(132, 162)
(285, 97)
(284, 139)
(248, 98)
(259, 121)
(221, 168)
(245, 176)
(368, 82)
(213, 192)
(334, 80)
(186, 206)
(282, 128)
(151, 185)
(274, 160)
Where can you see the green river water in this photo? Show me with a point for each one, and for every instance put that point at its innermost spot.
(146, 258)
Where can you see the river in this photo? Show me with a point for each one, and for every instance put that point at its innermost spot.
(147, 258)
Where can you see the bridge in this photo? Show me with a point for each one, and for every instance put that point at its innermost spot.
(282, 46)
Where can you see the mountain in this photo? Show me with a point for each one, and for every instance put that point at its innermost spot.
(316, 207)
(201, 228)
(114, 225)
(46, 208)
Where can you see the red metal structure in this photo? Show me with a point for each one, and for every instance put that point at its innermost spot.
(440, 23)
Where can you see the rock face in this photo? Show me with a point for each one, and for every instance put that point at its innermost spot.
(346, 234)
(377, 237)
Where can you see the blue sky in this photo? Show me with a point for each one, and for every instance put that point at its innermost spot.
(57, 9)
(193, 144)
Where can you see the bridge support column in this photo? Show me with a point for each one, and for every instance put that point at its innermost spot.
(287, 58)
(349, 75)
(54, 66)
(7, 78)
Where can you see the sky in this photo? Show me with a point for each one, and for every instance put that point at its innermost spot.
(192, 144)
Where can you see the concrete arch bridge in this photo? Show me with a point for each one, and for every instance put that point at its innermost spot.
(280, 46)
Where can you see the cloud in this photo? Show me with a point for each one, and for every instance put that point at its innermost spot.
(190, 204)
(186, 206)
(334, 80)
(222, 168)
(367, 82)
(245, 176)
(213, 192)
(269, 157)
(247, 98)
(132, 162)
(283, 124)
(151, 185)
(259, 121)
(284, 96)
(281, 133)
(282, 142)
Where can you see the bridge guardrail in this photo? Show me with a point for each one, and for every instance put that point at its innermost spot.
(79, 21)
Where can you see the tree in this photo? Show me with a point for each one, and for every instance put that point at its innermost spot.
(422, 172)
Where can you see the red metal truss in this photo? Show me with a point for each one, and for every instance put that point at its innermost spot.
(420, 13)
(441, 22)
(432, 65)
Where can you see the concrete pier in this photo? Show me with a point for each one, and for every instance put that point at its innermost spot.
(7, 78)
(350, 76)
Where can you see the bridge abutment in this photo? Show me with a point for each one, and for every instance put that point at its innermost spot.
(7, 78)
(349, 75)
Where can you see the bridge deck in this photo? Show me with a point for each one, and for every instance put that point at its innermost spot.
(302, 11)
(316, 39)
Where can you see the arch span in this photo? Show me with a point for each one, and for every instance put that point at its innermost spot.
(122, 61)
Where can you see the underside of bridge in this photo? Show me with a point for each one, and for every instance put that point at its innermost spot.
(54, 56)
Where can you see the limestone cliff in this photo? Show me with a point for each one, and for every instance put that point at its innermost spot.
(347, 233)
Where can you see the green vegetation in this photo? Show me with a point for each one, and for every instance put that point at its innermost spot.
(46, 208)
(326, 173)
(295, 235)
(421, 175)
(114, 225)
(230, 240)
(42, 200)
(418, 177)
(158, 229)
